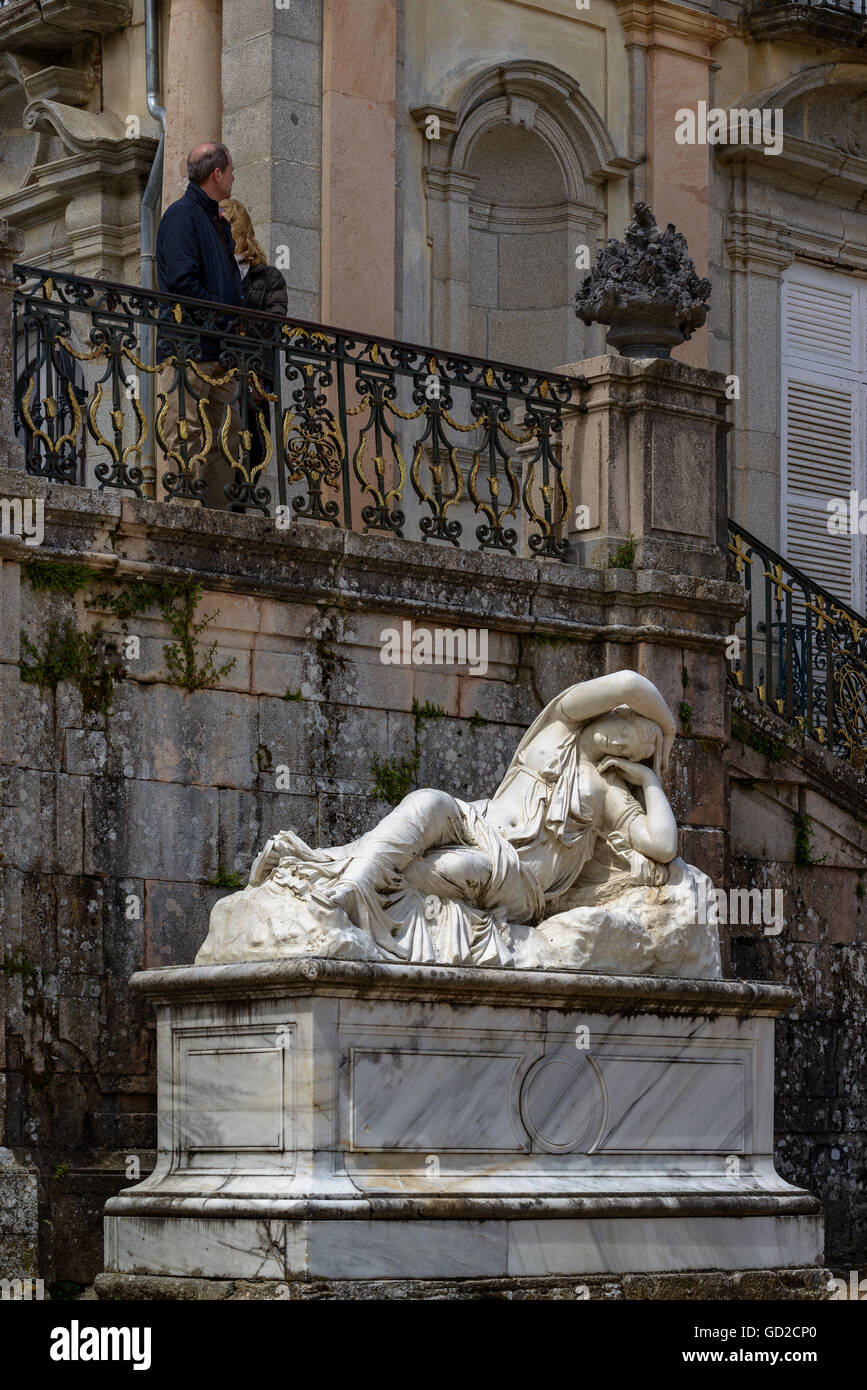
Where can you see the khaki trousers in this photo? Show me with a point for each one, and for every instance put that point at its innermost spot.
(213, 468)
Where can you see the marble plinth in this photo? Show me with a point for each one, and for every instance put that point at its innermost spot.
(343, 1120)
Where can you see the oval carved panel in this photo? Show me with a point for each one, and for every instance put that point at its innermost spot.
(563, 1105)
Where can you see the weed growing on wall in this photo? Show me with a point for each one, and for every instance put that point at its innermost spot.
(223, 878)
(393, 777)
(804, 855)
(558, 639)
(177, 603)
(89, 659)
(52, 577)
(624, 556)
(744, 732)
(426, 711)
(186, 669)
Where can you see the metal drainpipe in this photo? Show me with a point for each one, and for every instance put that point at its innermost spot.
(149, 204)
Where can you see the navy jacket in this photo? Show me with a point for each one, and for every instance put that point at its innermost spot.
(196, 255)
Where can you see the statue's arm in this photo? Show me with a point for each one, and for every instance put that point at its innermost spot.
(654, 833)
(593, 698)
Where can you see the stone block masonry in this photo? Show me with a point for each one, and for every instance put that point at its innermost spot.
(121, 825)
(272, 123)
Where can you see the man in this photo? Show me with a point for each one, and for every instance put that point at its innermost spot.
(196, 258)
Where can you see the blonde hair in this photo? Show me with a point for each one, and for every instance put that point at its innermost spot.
(247, 247)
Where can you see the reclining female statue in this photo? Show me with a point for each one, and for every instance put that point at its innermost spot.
(579, 827)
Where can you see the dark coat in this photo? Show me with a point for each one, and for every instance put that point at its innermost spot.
(265, 288)
(196, 256)
(196, 251)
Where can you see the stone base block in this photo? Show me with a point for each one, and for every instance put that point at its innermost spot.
(502, 1246)
(324, 1120)
(764, 1285)
(18, 1219)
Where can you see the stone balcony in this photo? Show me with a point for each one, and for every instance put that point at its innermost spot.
(53, 26)
(828, 23)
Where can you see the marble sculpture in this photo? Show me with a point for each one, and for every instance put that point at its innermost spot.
(571, 863)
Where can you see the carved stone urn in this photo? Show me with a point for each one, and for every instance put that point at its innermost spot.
(645, 288)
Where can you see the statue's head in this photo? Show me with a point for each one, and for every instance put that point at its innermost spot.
(624, 734)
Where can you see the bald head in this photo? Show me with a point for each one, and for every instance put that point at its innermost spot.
(209, 166)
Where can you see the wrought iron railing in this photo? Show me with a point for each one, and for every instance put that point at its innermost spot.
(347, 430)
(801, 652)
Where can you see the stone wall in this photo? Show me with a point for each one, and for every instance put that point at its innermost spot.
(799, 824)
(117, 828)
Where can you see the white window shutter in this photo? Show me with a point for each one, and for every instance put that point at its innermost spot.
(820, 450)
(821, 320)
(822, 426)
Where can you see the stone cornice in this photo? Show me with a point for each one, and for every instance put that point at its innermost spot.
(566, 988)
(818, 166)
(110, 166)
(512, 217)
(129, 537)
(446, 182)
(666, 24)
(67, 86)
(757, 239)
(754, 238)
(82, 132)
(812, 25)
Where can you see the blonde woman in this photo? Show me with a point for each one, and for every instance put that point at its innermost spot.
(264, 286)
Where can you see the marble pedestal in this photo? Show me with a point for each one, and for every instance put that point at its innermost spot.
(325, 1120)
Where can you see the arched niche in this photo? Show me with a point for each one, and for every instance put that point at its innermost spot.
(520, 257)
(833, 114)
(515, 182)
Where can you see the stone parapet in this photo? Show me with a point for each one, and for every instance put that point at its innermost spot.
(123, 537)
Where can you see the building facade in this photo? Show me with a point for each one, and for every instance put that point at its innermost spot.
(442, 173)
